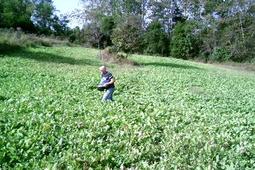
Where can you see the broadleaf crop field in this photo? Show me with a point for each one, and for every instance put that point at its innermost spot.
(167, 113)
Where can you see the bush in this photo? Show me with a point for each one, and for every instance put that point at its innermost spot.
(111, 49)
(110, 55)
(184, 44)
(156, 40)
(126, 37)
(121, 56)
(220, 54)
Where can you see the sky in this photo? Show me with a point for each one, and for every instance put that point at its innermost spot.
(66, 7)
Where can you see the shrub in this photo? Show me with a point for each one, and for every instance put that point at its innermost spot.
(220, 54)
(184, 44)
(156, 40)
(126, 37)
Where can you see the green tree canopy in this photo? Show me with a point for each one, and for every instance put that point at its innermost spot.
(16, 13)
(156, 40)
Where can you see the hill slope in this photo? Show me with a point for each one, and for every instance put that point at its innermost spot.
(167, 113)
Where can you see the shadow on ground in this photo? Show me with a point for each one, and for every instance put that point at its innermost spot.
(2, 98)
(171, 65)
(49, 57)
(7, 48)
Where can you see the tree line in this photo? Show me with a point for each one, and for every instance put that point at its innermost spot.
(32, 16)
(211, 30)
(188, 29)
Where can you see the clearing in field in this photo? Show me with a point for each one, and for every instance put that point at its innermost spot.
(167, 113)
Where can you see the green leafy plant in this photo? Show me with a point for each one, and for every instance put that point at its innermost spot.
(220, 54)
(167, 113)
(184, 43)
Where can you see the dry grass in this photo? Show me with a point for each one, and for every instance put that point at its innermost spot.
(10, 39)
(115, 58)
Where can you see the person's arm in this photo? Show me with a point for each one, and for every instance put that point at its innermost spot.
(109, 83)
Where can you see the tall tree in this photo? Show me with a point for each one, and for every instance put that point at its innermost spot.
(184, 42)
(168, 12)
(228, 28)
(216, 24)
(126, 36)
(46, 20)
(16, 13)
(43, 16)
(156, 40)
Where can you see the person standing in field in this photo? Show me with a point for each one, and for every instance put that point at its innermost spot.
(106, 84)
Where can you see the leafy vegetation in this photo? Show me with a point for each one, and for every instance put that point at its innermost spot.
(214, 31)
(184, 42)
(167, 113)
(156, 40)
(194, 29)
(126, 36)
(33, 16)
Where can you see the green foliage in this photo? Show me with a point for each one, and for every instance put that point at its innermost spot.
(34, 16)
(231, 31)
(76, 36)
(60, 27)
(16, 13)
(145, 26)
(107, 25)
(13, 40)
(184, 43)
(220, 7)
(156, 40)
(236, 34)
(45, 19)
(96, 34)
(220, 54)
(210, 25)
(127, 36)
(167, 114)
(132, 7)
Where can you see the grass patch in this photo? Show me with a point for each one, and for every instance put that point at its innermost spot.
(11, 40)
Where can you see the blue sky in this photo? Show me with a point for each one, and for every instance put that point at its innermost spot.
(66, 7)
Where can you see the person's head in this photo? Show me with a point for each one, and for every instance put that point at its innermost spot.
(103, 69)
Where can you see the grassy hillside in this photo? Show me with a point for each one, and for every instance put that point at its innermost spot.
(167, 113)
(12, 40)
